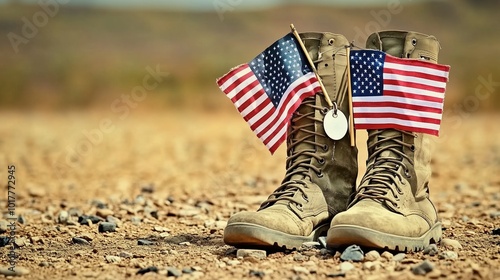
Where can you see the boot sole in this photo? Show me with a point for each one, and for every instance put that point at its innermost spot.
(246, 235)
(345, 235)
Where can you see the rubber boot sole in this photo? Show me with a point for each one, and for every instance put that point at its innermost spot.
(246, 235)
(345, 235)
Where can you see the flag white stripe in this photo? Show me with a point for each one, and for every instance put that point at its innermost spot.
(416, 91)
(294, 99)
(397, 111)
(423, 81)
(397, 121)
(401, 100)
(420, 69)
(277, 137)
(254, 106)
(248, 95)
(234, 77)
(261, 113)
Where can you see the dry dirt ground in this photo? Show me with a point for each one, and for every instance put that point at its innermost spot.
(172, 180)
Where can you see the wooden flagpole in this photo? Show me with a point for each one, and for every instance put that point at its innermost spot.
(351, 115)
(296, 34)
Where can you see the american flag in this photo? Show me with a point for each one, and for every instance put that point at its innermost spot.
(268, 89)
(391, 92)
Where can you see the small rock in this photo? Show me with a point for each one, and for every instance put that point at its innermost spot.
(446, 242)
(335, 274)
(161, 229)
(148, 189)
(188, 212)
(21, 219)
(325, 252)
(187, 270)
(300, 258)
(220, 224)
(103, 213)
(81, 241)
(257, 254)
(465, 218)
(21, 242)
(147, 269)
(233, 262)
(448, 255)
(140, 200)
(495, 214)
(352, 253)
(257, 273)
(114, 220)
(399, 257)
(136, 220)
(431, 250)
(496, 231)
(84, 219)
(63, 217)
(387, 255)
(113, 259)
(74, 212)
(372, 266)
(300, 270)
(107, 227)
(18, 271)
(346, 266)
(4, 226)
(185, 243)
(43, 264)
(145, 242)
(126, 255)
(4, 241)
(311, 245)
(372, 256)
(98, 203)
(86, 236)
(423, 268)
(172, 271)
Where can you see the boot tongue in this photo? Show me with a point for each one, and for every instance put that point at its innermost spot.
(387, 133)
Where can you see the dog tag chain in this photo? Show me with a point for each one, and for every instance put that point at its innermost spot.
(335, 123)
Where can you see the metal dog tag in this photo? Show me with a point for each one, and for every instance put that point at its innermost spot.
(335, 124)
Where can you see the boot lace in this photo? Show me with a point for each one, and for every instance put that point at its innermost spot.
(383, 170)
(299, 161)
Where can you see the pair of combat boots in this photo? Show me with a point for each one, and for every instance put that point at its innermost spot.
(390, 208)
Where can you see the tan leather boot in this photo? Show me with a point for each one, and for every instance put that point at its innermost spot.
(391, 208)
(321, 173)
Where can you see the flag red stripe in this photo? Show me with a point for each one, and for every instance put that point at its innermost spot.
(397, 126)
(239, 81)
(250, 100)
(415, 74)
(415, 62)
(397, 105)
(397, 116)
(413, 96)
(259, 108)
(277, 144)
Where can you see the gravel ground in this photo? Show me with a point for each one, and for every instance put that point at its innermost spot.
(148, 197)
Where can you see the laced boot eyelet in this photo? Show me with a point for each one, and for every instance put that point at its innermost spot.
(321, 161)
(320, 174)
(324, 110)
(305, 197)
(299, 207)
(325, 147)
(412, 148)
(407, 173)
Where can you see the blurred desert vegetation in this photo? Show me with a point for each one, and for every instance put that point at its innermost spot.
(87, 57)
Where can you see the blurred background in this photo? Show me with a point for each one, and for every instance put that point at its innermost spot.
(80, 54)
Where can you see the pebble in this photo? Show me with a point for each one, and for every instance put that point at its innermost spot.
(220, 224)
(107, 227)
(4, 226)
(387, 255)
(143, 271)
(103, 213)
(299, 258)
(113, 259)
(446, 242)
(136, 220)
(18, 271)
(258, 254)
(144, 242)
(21, 242)
(325, 252)
(495, 214)
(84, 219)
(352, 253)
(399, 257)
(126, 255)
(4, 240)
(372, 266)
(346, 266)
(300, 269)
(448, 255)
(311, 244)
(21, 219)
(63, 217)
(187, 270)
(161, 229)
(372, 256)
(423, 268)
(431, 250)
(322, 241)
(233, 262)
(188, 212)
(81, 241)
(496, 231)
(257, 273)
(172, 271)
(335, 274)
(114, 220)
